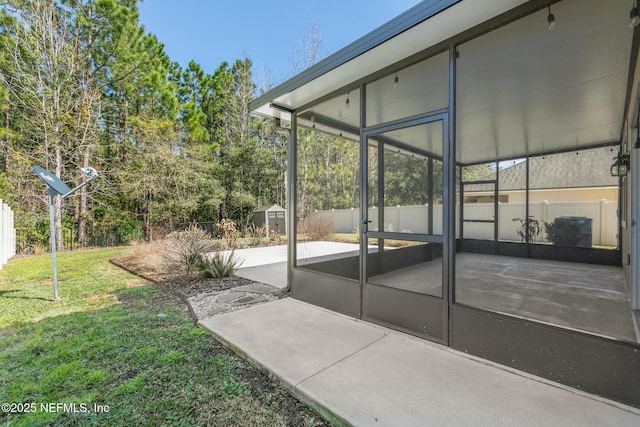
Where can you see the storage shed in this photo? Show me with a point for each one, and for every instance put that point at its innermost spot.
(274, 216)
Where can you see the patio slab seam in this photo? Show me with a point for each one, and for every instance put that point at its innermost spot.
(337, 362)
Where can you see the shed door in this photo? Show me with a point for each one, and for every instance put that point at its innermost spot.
(276, 222)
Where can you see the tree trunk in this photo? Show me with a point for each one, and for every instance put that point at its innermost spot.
(123, 134)
(83, 204)
(147, 223)
(5, 147)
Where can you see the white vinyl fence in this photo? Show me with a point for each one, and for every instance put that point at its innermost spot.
(603, 214)
(7, 234)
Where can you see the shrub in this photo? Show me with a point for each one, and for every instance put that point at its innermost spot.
(533, 226)
(275, 238)
(229, 232)
(255, 234)
(563, 232)
(182, 252)
(318, 228)
(219, 265)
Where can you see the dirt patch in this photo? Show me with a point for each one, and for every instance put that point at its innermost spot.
(205, 297)
(208, 285)
(136, 283)
(98, 298)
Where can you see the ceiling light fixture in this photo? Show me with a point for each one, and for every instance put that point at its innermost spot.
(396, 81)
(551, 20)
(346, 103)
(634, 16)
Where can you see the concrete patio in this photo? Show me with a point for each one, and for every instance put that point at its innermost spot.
(579, 296)
(269, 264)
(357, 373)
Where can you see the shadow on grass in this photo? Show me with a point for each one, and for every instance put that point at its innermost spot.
(3, 294)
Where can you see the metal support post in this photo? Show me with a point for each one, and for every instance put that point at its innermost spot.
(54, 261)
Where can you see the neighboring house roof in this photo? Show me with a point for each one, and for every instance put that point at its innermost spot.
(575, 169)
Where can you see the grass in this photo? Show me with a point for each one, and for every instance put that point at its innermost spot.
(123, 351)
(86, 281)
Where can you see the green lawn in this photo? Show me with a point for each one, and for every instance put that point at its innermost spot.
(124, 352)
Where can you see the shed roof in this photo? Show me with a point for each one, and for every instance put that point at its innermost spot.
(270, 208)
(575, 169)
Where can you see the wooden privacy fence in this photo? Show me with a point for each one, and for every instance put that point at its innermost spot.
(7, 234)
(414, 219)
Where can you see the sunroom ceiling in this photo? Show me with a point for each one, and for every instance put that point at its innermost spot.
(525, 89)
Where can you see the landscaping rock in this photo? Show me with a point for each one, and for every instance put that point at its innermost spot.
(228, 297)
(251, 299)
(211, 297)
(257, 288)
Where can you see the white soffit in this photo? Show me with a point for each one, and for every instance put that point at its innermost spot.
(446, 24)
(524, 89)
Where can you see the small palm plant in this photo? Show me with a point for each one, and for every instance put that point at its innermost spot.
(219, 265)
(529, 228)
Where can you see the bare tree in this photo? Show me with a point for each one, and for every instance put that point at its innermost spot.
(309, 50)
(52, 86)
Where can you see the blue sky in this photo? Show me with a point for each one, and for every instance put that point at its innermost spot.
(213, 31)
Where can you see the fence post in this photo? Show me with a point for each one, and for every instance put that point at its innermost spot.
(3, 234)
(352, 219)
(603, 221)
(14, 241)
(333, 216)
(7, 234)
(426, 217)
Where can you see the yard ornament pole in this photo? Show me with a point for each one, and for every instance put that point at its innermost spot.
(55, 186)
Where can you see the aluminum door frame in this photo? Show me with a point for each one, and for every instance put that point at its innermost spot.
(446, 239)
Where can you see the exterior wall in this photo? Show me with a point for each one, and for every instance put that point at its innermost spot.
(629, 138)
(259, 218)
(559, 195)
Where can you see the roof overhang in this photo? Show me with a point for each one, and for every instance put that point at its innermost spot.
(522, 89)
(403, 37)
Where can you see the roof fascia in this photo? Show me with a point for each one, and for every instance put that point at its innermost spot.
(397, 25)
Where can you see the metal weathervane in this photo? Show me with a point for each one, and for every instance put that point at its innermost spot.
(57, 187)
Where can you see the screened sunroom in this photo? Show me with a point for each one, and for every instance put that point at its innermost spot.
(483, 156)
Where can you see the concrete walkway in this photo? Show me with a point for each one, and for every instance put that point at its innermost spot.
(358, 373)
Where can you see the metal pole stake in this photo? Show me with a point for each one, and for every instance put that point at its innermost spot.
(53, 244)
